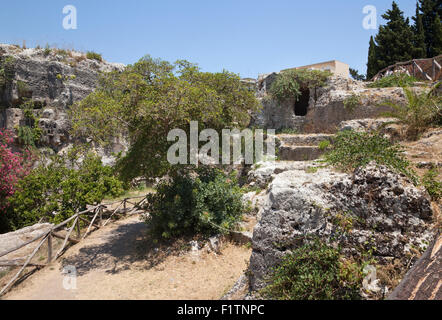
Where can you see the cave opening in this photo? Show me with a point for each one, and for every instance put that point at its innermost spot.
(301, 106)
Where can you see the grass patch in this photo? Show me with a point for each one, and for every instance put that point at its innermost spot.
(352, 102)
(352, 150)
(432, 184)
(3, 273)
(94, 56)
(324, 145)
(394, 80)
(315, 271)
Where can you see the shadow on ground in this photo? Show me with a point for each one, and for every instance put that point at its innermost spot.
(126, 247)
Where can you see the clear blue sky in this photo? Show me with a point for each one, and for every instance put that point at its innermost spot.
(244, 36)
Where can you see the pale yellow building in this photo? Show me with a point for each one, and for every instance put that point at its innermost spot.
(336, 67)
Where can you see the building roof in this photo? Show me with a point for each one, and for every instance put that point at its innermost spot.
(315, 64)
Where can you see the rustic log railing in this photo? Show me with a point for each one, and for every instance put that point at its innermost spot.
(427, 69)
(97, 213)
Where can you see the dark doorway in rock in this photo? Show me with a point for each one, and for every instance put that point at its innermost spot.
(301, 106)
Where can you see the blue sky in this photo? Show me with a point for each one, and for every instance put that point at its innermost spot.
(248, 37)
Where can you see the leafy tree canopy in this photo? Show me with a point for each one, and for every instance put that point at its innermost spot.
(151, 98)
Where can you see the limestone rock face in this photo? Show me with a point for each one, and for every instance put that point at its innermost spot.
(363, 125)
(373, 209)
(53, 80)
(326, 108)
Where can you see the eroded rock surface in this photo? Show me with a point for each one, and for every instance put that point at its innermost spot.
(52, 80)
(326, 106)
(373, 210)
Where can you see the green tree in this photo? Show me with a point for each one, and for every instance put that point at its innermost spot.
(394, 39)
(355, 75)
(419, 36)
(431, 12)
(372, 65)
(437, 46)
(153, 97)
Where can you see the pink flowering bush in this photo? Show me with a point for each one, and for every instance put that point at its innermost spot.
(13, 167)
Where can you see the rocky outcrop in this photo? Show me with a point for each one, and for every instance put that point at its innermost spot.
(373, 210)
(326, 106)
(51, 80)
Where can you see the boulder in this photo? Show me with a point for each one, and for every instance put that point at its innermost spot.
(373, 209)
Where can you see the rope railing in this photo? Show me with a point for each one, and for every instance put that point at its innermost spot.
(98, 221)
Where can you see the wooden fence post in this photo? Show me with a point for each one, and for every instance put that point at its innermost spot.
(78, 229)
(50, 248)
(101, 215)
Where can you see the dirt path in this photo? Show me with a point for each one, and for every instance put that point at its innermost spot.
(115, 263)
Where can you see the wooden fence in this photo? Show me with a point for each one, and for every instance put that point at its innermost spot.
(424, 69)
(97, 216)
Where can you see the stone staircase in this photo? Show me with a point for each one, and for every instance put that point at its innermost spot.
(301, 147)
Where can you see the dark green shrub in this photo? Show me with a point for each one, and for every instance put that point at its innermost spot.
(54, 188)
(94, 56)
(352, 102)
(47, 51)
(7, 71)
(394, 80)
(289, 84)
(207, 204)
(30, 133)
(431, 183)
(352, 149)
(315, 271)
(27, 136)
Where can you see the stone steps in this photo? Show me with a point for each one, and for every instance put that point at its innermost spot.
(303, 139)
(301, 147)
(299, 153)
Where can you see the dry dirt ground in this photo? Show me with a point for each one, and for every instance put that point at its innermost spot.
(116, 262)
(428, 149)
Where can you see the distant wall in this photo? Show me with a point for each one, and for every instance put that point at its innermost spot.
(336, 67)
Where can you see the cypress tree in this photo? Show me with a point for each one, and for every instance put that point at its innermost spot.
(395, 39)
(431, 13)
(419, 36)
(437, 45)
(372, 67)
